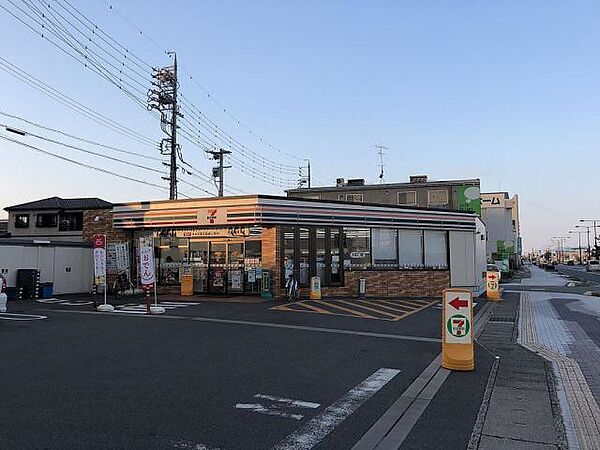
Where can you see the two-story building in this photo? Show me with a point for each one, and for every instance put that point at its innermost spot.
(54, 218)
(456, 195)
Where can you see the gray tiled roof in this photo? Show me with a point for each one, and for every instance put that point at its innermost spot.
(63, 204)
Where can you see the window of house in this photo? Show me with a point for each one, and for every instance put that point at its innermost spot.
(22, 221)
(357, 248)
(410, 247)
(384, 244)
(71, 221)
(437, 197)
(356, 198)
(436, 254)
(45, 220)
(407, 198)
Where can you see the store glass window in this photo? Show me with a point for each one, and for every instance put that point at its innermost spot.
(22, 221)
(357, 248)
(304, 260)
(235, 254)
(288, 252)
(199, 253)
(253, 253)
(170, 260)
(336, 271)
(217, 256)
(410, 248)
(436, 255)
(384, 244)
(320, 254)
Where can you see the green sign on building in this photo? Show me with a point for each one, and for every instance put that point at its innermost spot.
(469, 198)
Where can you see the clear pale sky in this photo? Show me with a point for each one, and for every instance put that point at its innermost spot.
(505, 91)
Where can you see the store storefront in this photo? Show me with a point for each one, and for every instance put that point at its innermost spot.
(229, 243)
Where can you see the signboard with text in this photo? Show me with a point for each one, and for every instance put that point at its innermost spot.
(147, 273)
(99, 241)
(457, 333)
(493, 285)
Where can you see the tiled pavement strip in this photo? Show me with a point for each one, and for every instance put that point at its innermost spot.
(542, 331)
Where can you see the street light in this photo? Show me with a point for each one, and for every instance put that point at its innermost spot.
(589, 252)
(579, 233)
(560, 244)
(594, 221)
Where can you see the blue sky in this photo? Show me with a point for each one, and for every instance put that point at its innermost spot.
(504, 91)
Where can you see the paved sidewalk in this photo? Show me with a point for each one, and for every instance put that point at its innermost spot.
(519, 410)
(572, 346)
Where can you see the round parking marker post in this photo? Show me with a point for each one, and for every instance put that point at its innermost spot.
(156, 309)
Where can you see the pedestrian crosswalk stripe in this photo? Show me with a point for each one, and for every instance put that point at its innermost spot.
(390, 309)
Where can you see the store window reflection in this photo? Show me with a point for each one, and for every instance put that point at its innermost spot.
(304, 257)
(320, 254)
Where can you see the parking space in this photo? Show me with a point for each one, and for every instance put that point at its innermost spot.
(391, 310)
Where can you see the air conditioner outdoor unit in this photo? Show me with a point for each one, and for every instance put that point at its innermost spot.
(339, 182)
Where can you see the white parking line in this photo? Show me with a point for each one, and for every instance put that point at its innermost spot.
(57, 301)
(275, 406)
(141, 308)
(311, 433)
(21, 317)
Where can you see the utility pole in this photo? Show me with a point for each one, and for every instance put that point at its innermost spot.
(163, 97)
(218, 171)
(380, 148)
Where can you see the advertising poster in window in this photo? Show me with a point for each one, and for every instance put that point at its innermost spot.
(236, 279)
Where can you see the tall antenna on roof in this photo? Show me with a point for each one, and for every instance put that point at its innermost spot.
(380, 148)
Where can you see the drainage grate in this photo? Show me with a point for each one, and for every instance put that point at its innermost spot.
(502, 320)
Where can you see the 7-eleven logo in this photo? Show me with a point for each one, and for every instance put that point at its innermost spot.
(211, 215)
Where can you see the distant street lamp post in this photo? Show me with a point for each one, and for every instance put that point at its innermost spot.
(589, 251)
(560, 247)
(594, 221)
(579, 243)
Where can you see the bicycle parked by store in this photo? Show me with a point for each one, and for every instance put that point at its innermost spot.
(123, 286)
(292, 293)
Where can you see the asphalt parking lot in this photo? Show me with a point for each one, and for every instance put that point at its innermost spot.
(215, 375)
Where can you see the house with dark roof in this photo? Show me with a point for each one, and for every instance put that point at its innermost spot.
(54, 218)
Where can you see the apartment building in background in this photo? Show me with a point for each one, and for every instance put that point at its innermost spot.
(419, 191)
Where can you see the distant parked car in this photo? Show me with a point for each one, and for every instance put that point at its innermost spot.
(550, 266)
(2, 294)
(570, 262)
(593, 265)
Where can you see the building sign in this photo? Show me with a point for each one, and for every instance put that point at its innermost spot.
(117, 257)
(469, 199)
(493, 200)
(147, 272)
(99, 241)
(212, 216)
(221, 232)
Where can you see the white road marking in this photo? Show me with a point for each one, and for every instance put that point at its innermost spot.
(311, 433)
(141, 308)
(57, 301)
(262, 409)
(288, 401)
(21, 317)
(273, 406)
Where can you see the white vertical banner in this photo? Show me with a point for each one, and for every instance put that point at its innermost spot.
(99, 259)
(147, 268)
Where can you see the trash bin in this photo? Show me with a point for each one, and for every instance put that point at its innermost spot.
(46, 290)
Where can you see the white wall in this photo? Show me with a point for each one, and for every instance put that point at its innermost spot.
(468, 259)
(69, 268)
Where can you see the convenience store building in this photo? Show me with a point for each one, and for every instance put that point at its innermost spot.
(229, 243)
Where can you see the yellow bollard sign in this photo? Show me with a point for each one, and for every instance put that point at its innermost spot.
(457, 331)
(493, 285)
